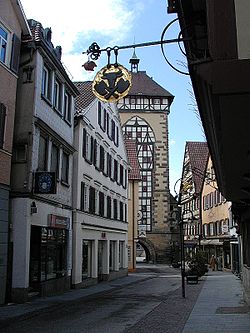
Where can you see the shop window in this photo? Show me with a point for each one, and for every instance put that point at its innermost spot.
(86, 258)
(121, 254)
(48, 255)
(112, 255)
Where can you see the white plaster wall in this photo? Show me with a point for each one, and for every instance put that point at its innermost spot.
(242, 13)
(20, 218)
(45, 112)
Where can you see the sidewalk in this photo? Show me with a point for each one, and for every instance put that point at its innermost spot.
(11, 311)
(215, 305)
(219, 306)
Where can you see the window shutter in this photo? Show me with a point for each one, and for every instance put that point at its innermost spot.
(84, 137)
(82, 195)
(99, 113)
(15, 53)
(92, 147)
(2, 123)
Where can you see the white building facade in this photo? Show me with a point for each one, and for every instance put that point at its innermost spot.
(100, 192)
(41, 204)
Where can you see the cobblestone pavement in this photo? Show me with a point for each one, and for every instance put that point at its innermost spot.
(171, 315)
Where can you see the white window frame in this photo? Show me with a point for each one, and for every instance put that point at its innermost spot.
(45, 82)
(57, 95)
(7, 40)
(67, 107)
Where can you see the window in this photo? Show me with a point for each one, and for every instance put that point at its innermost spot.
(3, 44)
(92, 200)
(86, 258)
(48, 259)
(211, 229)
(121, 211)
(2, 123)
(46, 83)
(102, 159)
(108, 207)
(82, 203)
(121, 174)
(109, 169)
(113, 130)
(84, 142)
(54, 159)
(42, 154)
(101, 204)
(115, 170)
(65, 168)
(112, 256)
(67, 107)
(117, 136)
(57, 96)
(115, 209)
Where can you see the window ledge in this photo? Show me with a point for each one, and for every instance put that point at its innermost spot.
(46, 100)
(65, 183)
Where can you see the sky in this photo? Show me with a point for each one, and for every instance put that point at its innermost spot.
(77, 24)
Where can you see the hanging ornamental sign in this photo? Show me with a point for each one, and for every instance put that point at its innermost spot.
(112, 83)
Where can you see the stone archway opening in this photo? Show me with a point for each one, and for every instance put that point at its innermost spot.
(145, 251)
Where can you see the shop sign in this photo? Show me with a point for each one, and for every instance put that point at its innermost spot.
(112, 83)
(45, 183)
(60, 222)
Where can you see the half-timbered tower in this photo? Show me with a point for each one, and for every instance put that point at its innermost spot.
(144, 116)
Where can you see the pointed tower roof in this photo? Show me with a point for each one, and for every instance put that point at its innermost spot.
(134, 61)
(143, 85)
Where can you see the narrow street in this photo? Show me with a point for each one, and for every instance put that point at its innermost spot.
(124, 308)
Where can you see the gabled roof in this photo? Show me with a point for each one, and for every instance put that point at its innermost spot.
(41, 39)
(198, 156)
(144, 85)
(86, 96)
(134, 173)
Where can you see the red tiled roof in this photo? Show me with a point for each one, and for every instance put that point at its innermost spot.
(144, 85)
(198, 156)
(134, 173)
(86, 95)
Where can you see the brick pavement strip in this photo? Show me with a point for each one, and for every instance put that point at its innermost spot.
(171, 315)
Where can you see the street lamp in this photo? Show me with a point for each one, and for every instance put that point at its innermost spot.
(178, 217)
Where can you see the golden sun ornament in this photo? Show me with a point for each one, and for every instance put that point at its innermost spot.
(112, 83)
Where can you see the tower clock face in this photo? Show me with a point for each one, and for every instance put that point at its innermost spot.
(45, 183)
